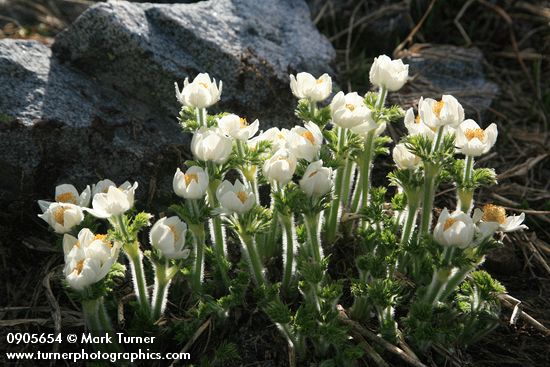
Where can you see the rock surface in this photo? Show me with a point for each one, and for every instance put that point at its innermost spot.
(102, 104)
(141, 49)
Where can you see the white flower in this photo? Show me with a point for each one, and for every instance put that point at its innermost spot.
(280, 167)
(403, 158)
(116, 201)
(237, 127)
(88, 259)
(211, 144)
(277, 137)
(388, 73)
(456, 229)
(168, 235)
(349, 110)
(305, 86)
(364, 128)
(317, 180)
(436, 114)
(235, 198)
(472, 140)
(192, 184)
(102, 186)
(62, 217)
(201, 93)
(306, 142)
(496, 215)
(415, 125)
(66, 193)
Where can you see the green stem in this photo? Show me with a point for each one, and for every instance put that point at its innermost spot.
(366, 167)
(430, 175)
(218, 235)
(273, 234)
(90, 309)
(289, 239)
(160, 292)
(249, 247)
(438, 138)
(357, 192)
(135, 256)
(334, 210)
(312, 229)
(201, 117)
(347, 182)
(199, 237)
(412, 209)
(466, 194)
(104, 319)
(383, 92)
(453, 282)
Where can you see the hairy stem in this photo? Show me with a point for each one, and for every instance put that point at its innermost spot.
(334, 210)
(289, 240)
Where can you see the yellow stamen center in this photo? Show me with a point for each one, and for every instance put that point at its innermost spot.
(417, 119)
(242, 196)
(66, 197)
(79, 266)
(474, 133)
(188, 177)
(350, 107)
(438, 106)
(448, 223)
(174, 232)
(309, 136)
(494, 213)
(103, 238)
(204, 85)
(319, 81)
(243, 122)
(59, 215)
(77, 244)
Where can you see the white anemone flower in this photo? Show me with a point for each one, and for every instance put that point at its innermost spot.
(62, 217)
(66, 193)
(415, 125)
(192, 184)
(349, 110)
(238, 127)
(306, 86)
(201, 93)
(496, 215)
(436, 114)
(305, 142)
(116, 201)
(277, 137)
(388, 73)
(168, 235)
(235, 198)
(473, 141)
(456, 229)
(211, 144)
(280, 167)
(404, 159)
(317, 180)
(88, 258)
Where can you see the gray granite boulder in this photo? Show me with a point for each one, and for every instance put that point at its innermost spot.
(141, 49)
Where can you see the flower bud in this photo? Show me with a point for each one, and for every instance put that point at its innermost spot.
(211, 144)
(168, 236)
(317, 180)
(192, 184)
(305, 86)
(235, 198)
(201, 93)
(388, 73)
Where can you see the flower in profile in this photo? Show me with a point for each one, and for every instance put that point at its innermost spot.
(349, 110)
(237, 127)
(403, 158)
(436, 114)
(317, 180)
(88, 258)
(456, 229)
(472, 140)
(102, 186)
(277, 137)
(116, 201)
(280, 167)
(235, 198)
(388, 73)
(495, 216)
(168, 236)
(305, 86)
(200, 93)
(62, 217)
(192, 184)
(211, 144)
(415, 125)
(305, 142)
